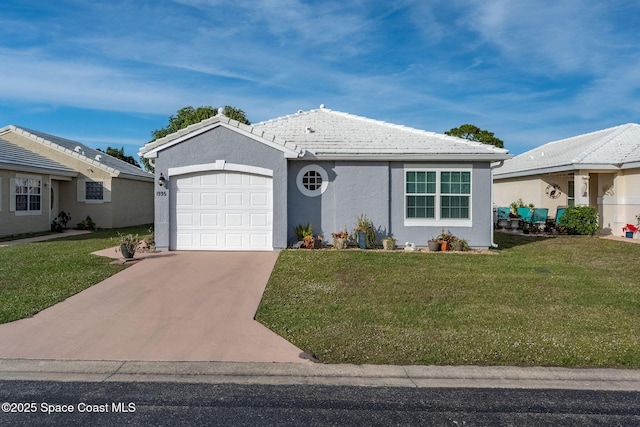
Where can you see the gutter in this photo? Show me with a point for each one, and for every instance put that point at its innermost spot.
(499, 164)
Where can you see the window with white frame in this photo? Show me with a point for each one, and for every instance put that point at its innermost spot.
(26, 194)
(94, 190)
(437, 195)
(312, 180)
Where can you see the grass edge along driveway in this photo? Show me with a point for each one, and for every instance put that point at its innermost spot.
(34, 276)
(565, 301)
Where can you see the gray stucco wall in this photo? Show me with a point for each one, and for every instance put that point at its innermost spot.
(221, 144)
(377, 190)
(478, 235)
(354, 188)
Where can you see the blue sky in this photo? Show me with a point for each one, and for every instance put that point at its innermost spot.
(109, 72)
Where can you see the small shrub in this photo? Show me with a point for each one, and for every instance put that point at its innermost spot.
(580, 220)
(87, 224)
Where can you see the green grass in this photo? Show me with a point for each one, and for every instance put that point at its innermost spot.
(34, 276)
(566, 301)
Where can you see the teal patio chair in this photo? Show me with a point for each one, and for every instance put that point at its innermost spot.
(525, 214)
(560, 210)
(503, 213)
(539, 216)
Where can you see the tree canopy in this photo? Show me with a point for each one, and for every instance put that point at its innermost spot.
(188, 116)
(474, 133)
(119, 154)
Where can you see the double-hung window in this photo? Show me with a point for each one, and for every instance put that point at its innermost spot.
(26, 195)
(437, 197)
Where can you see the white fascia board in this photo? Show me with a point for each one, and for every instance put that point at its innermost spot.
(288, 152)
(574, 167)
(633, 165)
(37, 170)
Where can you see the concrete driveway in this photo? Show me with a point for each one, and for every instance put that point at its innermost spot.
(171, 306)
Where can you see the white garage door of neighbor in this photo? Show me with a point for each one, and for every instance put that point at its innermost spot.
(222, 211)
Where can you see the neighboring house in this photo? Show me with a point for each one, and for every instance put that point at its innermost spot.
(42, 175)
(230, 186)
(599, 169)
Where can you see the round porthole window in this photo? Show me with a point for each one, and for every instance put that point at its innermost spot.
(312, 180)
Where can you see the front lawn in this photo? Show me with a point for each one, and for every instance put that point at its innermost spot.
(566, 301)
(34, 276)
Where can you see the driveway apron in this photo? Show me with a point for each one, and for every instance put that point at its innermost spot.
(173, 306)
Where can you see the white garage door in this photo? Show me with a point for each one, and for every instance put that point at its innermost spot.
(222, 211)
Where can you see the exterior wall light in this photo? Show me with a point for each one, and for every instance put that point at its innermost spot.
(162, 181)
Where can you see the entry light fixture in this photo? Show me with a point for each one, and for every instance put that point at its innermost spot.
(162, 181)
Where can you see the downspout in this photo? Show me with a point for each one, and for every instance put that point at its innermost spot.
(500, 163)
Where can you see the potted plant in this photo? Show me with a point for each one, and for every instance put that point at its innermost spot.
(365, 233)
(389, 243)
(128, 245)
(340, 239)
(304, 233)
(445, 240)
(433, 244)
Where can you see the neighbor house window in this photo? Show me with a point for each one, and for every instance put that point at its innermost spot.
(571, 193)
(94, 190)
(437, 195)
(26, 194)
(312, 180)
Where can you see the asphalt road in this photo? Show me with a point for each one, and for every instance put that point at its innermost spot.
(77, 403)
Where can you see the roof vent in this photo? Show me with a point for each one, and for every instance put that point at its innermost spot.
(308, 130)
(300, 111)
(98, 157)
(77, 149)
(321, 105)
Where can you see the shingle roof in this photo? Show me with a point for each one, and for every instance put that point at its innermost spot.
(611, 148)
(97, 158)
(332, 134)
(328, 133)
(18, 158)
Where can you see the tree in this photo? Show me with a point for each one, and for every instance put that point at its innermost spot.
(119, 154)
(474, 133)
(188, 116)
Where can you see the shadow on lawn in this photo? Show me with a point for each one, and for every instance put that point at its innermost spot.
(511, 240)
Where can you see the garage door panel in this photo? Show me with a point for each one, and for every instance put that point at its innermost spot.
(185, 219)
(209, 199)
(208, 240)
(184, 199)
(209, 220)
(184, 239)
(234, 179)
(209, 180)
(222, 211)
(258, 200)
(258, 220)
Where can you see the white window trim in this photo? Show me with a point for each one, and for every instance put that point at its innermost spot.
(106, 191)
(323, 175)
(437, 221)
(0, 194)
(12, 195)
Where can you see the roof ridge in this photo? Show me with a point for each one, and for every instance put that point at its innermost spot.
(218, 118)
(28, 133)
(323, 109)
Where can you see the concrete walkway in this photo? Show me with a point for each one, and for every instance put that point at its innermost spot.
(171, 306)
